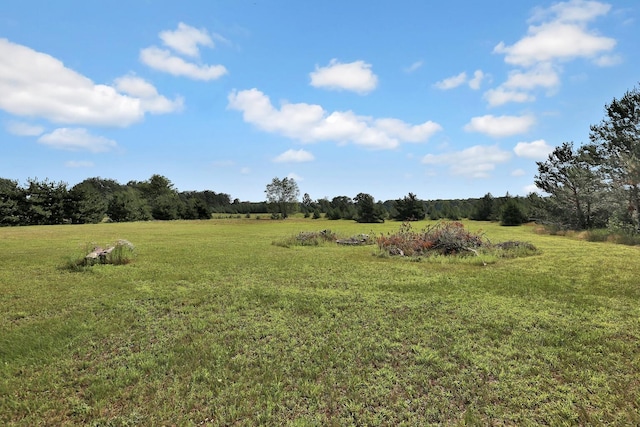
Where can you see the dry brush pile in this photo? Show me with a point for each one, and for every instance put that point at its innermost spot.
(445, 238)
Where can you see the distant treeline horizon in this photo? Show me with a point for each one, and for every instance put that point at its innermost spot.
(46, 202)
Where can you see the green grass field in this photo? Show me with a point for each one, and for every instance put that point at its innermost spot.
(212, 324)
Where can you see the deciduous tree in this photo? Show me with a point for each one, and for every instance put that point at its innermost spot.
(282, 196)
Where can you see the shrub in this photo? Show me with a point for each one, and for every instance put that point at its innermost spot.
(512, 214)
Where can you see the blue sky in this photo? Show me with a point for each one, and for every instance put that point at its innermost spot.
(443, 99)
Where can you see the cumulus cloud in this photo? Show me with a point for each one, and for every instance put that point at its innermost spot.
(186, 39)
(460, 79)
(295, 177)
(311, 123)
(500, 126)
(518, 172)
(149, 97)
(164, 60)
(294, 156)
(476, 81)
(354, 76)
(23, 129)
(77, 139)
(555, 41)
(557, 34)
(578, 11)
(34, 84)
(520, 83)
(474, 162)
(537, 150)
(502, 96)
(452, 82)
(542, 75)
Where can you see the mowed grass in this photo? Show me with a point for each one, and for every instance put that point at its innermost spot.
(212, 324)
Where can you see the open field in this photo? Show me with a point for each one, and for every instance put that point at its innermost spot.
(212, 324)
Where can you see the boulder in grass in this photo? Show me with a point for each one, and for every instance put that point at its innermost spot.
(99, 253)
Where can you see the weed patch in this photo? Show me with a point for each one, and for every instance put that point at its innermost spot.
(307, 238)
(317, 238)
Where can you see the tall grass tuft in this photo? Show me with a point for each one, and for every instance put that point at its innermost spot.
(120, 253)
(307, 238)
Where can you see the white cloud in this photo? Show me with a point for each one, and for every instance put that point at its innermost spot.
(245, 170)
(354, 76)
(295, 177)
(311, 123)
(186, 39)
(542, 75)
(150, 99)
(452, 82)
(79, 164)
(500, 126)
(77, 139)
(501, 96)
(294, 156)
(460, 79)
(520, 83)
(562, 35)
(518, 172)
(24, 129)
(34, 84)
(413, 67)
(559, 34)
(476, 81)
(406, 132)
(537, 150)
(572, 11)
(531, 188)
(474, 162)
(163, 60)
(555, 41)
(608, 60)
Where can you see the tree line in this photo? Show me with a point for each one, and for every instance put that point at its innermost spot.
(45, 202)
(283, 194)
(96, 199)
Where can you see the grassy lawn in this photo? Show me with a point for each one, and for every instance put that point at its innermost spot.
(212, 324)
